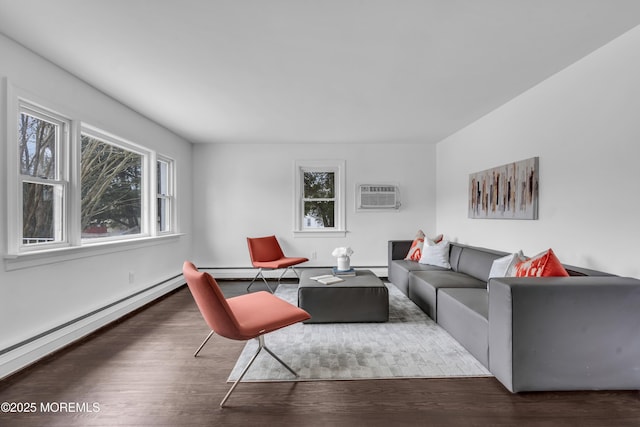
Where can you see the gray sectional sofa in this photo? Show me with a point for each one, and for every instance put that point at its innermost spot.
(534, 334)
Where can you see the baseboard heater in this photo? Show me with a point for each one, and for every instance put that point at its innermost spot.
(26, 352)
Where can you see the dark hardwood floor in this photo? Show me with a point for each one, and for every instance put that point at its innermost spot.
(140, 372)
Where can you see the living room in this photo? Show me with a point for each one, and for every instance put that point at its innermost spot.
(579, 118)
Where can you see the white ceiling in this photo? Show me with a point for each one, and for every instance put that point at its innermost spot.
(315, 70)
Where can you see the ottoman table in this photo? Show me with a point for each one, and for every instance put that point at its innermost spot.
(360, 298)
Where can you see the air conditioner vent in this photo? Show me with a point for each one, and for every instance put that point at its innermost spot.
(378, 196)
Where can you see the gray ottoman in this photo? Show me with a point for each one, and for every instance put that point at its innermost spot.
(363, 298)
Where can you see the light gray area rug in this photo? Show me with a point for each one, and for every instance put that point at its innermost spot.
(410, 345)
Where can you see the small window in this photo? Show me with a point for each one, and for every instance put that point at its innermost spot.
(111, 186)
(319, 197)
(164, 197)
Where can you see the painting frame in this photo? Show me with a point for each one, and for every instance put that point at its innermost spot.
(508, 191)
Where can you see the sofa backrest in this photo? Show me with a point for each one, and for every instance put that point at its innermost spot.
(476, 262)
(579, 271)
(473, 261)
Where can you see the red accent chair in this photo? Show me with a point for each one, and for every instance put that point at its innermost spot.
(266, 254)
(240, 318)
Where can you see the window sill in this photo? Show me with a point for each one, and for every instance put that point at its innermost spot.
(51, 256)
(319, 233)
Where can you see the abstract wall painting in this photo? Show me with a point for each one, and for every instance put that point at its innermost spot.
(505, 192)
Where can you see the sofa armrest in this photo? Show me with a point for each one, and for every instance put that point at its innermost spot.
(398, 249)
(565, 333)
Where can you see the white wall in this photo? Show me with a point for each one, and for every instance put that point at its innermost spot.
(584, 124)
(246, 190)
(36, 299)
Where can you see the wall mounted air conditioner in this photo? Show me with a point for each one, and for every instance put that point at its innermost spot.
(377, 196)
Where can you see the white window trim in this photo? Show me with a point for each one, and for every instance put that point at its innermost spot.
(53, 256)
(147, 217)
(14, 255)
(337, 166)
(15, 106)
(170, 196)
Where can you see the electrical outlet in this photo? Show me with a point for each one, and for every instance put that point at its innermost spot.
(314, 255)
(132, 277)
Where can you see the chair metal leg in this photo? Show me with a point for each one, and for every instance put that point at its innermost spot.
(263, 279)
(203, 343)
(280, 360)
(282, 275)
(261, 345)
(285, 272)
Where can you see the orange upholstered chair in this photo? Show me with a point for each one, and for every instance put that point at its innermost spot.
(266, 254)
(240, 318)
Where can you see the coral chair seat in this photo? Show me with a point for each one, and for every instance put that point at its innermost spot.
(241, 318)
(266, 254)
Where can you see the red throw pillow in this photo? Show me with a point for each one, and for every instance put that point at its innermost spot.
(545, 264)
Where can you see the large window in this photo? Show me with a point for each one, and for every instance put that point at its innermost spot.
(42, 177)
(111, 179)
(70, 184)
(319, 197)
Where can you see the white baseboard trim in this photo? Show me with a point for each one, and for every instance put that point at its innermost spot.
(33, 350)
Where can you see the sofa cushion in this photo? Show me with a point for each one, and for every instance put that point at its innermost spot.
(545, 264)
(399, 271)
(464, 314)
(409, 266)
(441, 278)
(454, 255)
(423, 287)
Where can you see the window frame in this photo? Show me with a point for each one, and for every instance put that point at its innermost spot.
(338, 168)
(145, 188)
(16, 179)
(71, 246)
(169, 197)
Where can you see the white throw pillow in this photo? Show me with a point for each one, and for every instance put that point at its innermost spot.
(504, 267)
(436, 254)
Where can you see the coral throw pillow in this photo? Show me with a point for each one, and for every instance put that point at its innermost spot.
(415, 253)
(545, 264)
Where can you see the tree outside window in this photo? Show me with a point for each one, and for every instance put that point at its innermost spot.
(111, 182)
(42, 188)
(319, 199)
(57, 199)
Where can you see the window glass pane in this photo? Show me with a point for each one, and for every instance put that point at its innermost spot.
(163, 214)
(37, 147)
(319, 185)
(38, 213)
(111, 180)
(320, 214)
(163, 178)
